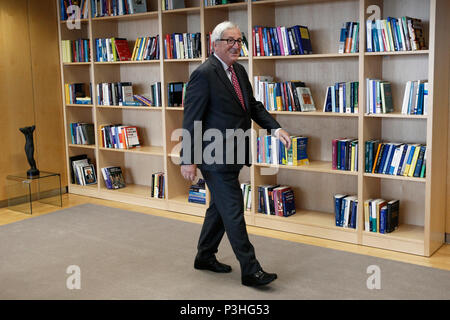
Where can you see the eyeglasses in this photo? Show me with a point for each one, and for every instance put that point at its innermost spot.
(231, 42)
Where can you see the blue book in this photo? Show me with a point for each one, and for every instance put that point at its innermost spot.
(383, 218)
(354, 213)
(298, 37)
(419, 163)
(288, 200)
(383, 157)
(387, 164)
(402, 160)
(420, 99)
(338, 208)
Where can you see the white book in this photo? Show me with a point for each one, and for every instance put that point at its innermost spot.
(348, 208)
(406, 98)
(341, 98)
(380, 37)
(395, 159)
(333, 99)
(405, 160)
(274, 150)
(283, 36)
(425, 98)
(369, 35)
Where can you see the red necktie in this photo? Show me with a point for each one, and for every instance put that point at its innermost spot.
(236, 86)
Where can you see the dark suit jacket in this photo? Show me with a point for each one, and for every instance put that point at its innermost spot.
(211, 98)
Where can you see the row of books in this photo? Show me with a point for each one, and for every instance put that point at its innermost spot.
(113, 177)
(381, 216)
(157, 185)
(346, 210)
(75, 50)
(283, 96)
(173, 4)
(146, 48)
(209, 3)
(64, 7)
(271, 150)
(247, 195)
(197, 192)
(115, 94)
(75, 93)
(119, 136)
(117, 49)
(342, 98)
(415, 99)
(395, 34)
(276, 200)
(83, 171)
(105, 8)
(399, 159)
(82, 133)
(281, 41)
(182, 46)
(379, 96)
(210, 48)
(175, 93)
(344, 154)
(349, 38)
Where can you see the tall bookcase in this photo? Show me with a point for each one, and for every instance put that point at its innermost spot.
(422, 211)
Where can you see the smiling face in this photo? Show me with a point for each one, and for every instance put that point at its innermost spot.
(228, 53)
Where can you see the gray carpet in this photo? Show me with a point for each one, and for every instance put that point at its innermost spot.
(130, 255)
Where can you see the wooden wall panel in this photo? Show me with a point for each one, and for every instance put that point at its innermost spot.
(29, 58)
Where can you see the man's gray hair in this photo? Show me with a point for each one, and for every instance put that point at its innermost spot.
(220, 28)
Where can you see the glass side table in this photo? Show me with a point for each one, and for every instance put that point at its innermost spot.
(22, 190)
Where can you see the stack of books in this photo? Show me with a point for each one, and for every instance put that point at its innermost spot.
(247, 195)
(175, 93)
(283, 96)
(102, 8)
(76, 93)
(415, 100)
(75, 50)
(381, 216)
(276, 200)
(113, 177)
(197, 192)
(157, 187)
(395, 34)
(82, 170)
(146, 48)
(182, 46)
(281, 41)
(344, 154)
(119, 136)
(346, 210)
(82, 5)
(349, 38)
(342, 98)
(271, 150)
(379, 96)
(82, 133)
(398, 159)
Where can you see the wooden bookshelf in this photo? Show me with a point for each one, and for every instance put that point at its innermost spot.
(422, 211)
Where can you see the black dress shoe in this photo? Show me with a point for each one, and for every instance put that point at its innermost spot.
(212, 265)
(259, 278)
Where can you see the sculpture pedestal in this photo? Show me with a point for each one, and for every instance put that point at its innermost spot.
(23, 191)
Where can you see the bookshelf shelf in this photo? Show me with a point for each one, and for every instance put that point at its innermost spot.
(315, 114)
(422, 219)
(397, 53)
(86, 146)
(388, 176)
(128, 17)
(80, 105)
(395, 115)
(150, 150)
(309, 56)
(313, 166)
(144, 108)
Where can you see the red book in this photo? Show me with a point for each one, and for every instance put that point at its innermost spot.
(122, 49)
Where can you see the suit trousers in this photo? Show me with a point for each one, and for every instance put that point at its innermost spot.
(226, 214)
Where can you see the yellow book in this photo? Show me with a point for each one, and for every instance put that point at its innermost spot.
(414, 161)
(66, 89)
(352, 164)
(133, 56)
(294, 150)
(385, 31)
(113, 49)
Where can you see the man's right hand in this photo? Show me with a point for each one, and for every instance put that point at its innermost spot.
(189, 171)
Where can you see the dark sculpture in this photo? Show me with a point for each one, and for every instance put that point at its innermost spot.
(29, 150)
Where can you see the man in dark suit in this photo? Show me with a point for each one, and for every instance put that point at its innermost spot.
(219, 99)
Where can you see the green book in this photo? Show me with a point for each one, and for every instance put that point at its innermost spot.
(386, 97)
